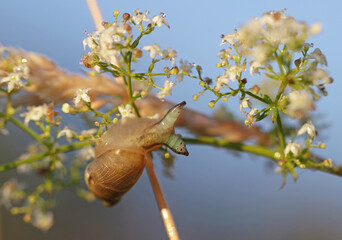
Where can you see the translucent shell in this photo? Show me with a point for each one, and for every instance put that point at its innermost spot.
(120, 153)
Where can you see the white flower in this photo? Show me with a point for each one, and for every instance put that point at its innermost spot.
(300, 103)
(9, 192)
(24, 168)
(4, 131)
(224, 55)
(318, 56)
(88, 133)
(230, 38)
(234, 70)
(154, 50)
(185, 67)
(138, 16)
(245, 104)
(316, 28)
(171, 54)
(91, 40)
(320, 76)
(309, 128)
(22, 69)
(254, 67)
(126, 111)
(168, 85)
(81, 94)
(220, 80)
(250, 117)
(85, 154)
(293, 148)
(317, 76)
(34, 113)
(42, 220)
(68, 133)
(13, 80)
(158, 20)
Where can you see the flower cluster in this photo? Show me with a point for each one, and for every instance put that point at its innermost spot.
(274, 41)
(16, 77)
(116, 46)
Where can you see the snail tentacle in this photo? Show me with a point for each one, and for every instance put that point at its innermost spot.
(176, 144)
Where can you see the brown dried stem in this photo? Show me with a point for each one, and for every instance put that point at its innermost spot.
(165, 212)
(95, 13)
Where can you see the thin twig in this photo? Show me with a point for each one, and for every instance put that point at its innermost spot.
(95, 13)
(165, 212)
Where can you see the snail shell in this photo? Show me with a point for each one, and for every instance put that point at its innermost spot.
(120, 154)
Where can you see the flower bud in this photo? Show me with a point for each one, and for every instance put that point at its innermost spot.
(126, 16)
(235, 58)
(174, 70)
(66, 108)
(225, 99)
(195, 97)
(298, 62)
(116, 13)
(208, 80)
(255, 89)
(327, 162)
(277, 155)
(211, 104)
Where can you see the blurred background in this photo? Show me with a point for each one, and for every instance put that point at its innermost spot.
(214, 194)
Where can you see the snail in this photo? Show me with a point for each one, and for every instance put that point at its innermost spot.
(120, 154)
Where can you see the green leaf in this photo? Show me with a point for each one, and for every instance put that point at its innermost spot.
(267, 98)
(262, 115)
(139, 77)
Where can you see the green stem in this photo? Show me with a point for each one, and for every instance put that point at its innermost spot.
(129, 85)
(25, 128)
(257, 150)
(260, 151)
(280, 132)
(65, 148)
(281, 90)
(23, 161)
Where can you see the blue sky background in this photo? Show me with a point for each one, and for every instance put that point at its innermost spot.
(215, 194)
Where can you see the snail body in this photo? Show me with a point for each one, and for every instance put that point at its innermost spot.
(120, 154)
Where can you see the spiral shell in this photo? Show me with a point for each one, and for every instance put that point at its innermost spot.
(120, 154)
